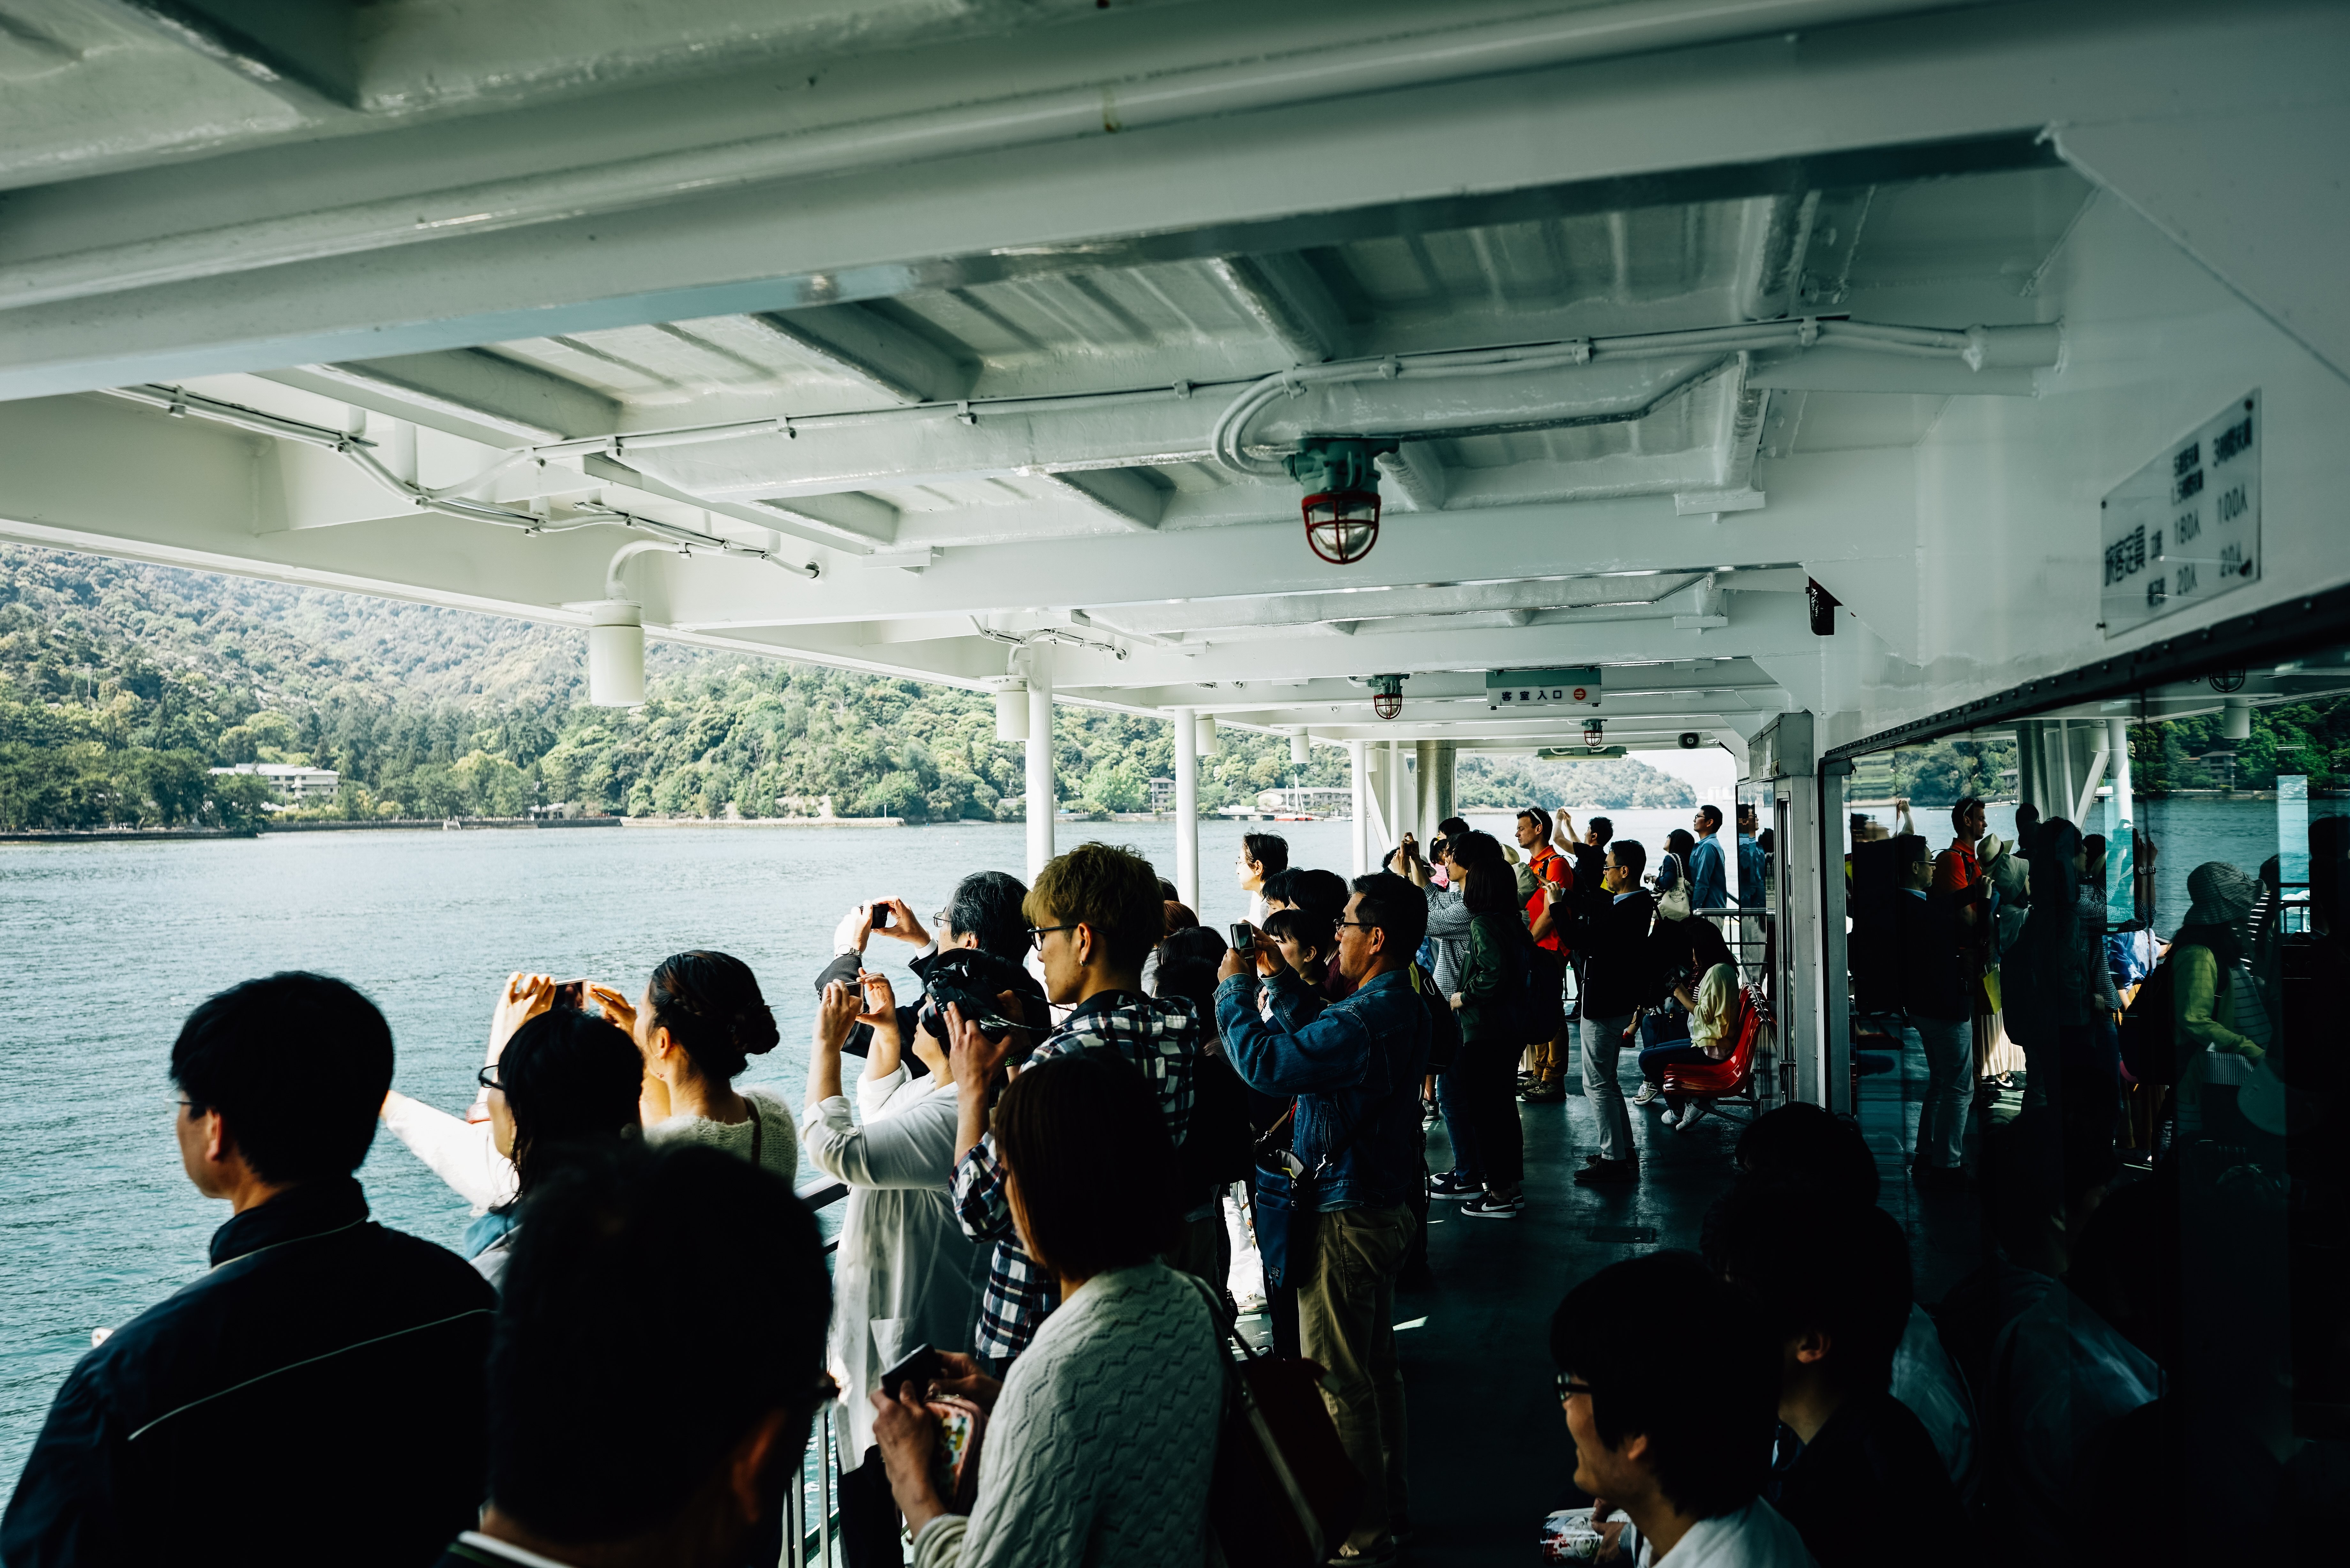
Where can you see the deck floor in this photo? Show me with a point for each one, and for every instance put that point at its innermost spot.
(1490, 1455)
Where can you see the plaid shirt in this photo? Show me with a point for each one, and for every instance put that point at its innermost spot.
(1161, 1036)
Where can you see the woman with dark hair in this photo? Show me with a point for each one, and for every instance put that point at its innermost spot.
(1491, 1001)
(1101, 1440)
(701, 1020)
(566, 1085)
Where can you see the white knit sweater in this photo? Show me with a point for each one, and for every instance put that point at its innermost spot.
(1101, 1445)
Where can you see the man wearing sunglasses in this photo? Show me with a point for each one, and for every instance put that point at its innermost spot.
(1355, 1067)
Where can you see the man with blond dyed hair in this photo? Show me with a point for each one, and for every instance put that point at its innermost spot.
(1094, 915)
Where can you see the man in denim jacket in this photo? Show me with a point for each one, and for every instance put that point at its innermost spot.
(1354, 1066)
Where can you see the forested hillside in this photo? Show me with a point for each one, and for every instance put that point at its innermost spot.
(121, 684)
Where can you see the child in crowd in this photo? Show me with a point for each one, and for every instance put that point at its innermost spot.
(1305, 942)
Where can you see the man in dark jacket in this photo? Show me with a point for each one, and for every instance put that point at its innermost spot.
(1355, 1066)
(1937, 995)
(1858, 1474)
(318, 1394)
(1619, 979)
(591, 1462)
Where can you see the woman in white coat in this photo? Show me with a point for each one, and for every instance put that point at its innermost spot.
(905, 1275)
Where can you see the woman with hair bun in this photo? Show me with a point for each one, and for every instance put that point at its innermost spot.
(701, 1020)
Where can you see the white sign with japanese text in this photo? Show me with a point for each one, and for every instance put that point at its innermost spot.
(2186, 526)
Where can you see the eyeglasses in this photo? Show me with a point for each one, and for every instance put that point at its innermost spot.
(1036, 934)
(1358, 925)
(488, 1078)
(1568, 1388)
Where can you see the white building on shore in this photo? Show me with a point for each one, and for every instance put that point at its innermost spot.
(292, 783)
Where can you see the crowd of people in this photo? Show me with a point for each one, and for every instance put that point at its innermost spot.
(1052, 1154)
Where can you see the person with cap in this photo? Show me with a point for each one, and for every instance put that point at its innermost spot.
(2215, 1000)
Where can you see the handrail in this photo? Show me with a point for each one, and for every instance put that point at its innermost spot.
(808, 1531)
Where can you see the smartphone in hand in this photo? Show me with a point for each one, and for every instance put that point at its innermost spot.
(921, 1367)
(882, 917)
(571, 993)
(1243, 936)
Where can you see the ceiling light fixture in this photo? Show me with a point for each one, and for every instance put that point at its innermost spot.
(1342, 496)
(1386, 694)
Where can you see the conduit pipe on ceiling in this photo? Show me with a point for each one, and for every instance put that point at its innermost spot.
(1315, 75)
(357, 451)
(1979, 347)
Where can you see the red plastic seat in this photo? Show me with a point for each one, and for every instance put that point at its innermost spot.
(1733, 1077)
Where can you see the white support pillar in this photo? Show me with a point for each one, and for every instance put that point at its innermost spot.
(1359, 759)
(1187, 807)
(1396, 798)
(2120, 828)
(1042, 802)
(1835, 991)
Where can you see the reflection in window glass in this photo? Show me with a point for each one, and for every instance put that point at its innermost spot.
(2096, 957)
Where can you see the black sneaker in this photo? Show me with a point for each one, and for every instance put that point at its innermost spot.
(1489, 1206)
(1453, 1185)
(1609, 1173)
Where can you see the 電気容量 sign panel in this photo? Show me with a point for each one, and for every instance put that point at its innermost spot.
(2186, 526)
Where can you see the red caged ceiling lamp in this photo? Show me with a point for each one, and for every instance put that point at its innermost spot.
(1387, 695)
(1342, 502)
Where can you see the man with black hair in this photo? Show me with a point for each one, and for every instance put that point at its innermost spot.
(1829, 1279)
(1709, 879)
(1546, 916)
(1679, 1439)
(1261, 855)
(318, 1393)
(1355, 1067)
(982, 914)
(591, 1462)
(1094, 915)
(1619, 978)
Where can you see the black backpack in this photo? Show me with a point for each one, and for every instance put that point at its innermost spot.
(2149, 1031)
(1219, 1146)
(1443, 1023)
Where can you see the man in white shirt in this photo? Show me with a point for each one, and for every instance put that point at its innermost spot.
(594, 1464)
(1680, 1441)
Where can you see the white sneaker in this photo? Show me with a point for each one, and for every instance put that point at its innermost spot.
(1690, 1117)
(1671, 1116)
(1647, 1093)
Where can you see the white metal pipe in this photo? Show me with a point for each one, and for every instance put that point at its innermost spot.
(1315, 75)
(613, 587)
(1041, 801)
(1394, 824)
(1187, 808)
(1358, 771)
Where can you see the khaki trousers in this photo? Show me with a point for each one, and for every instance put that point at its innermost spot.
(1346, 1320)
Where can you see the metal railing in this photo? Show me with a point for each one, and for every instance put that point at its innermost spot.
(812, 1509)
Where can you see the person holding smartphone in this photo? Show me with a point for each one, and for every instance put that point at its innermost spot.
(904, 1276)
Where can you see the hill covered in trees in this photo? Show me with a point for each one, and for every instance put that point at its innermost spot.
(122, 684)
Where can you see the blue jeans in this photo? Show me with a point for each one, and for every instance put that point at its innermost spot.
(1603, 1038)
(1950, 1046)
(1655, 1059)
(1453, 1105)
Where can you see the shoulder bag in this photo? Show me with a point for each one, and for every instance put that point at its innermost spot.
(1289, 1195)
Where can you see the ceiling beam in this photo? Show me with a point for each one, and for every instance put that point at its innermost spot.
(869, 347)
(1282, 295)
(463, 391)
(356, 277)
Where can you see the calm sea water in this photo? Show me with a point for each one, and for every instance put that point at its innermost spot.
(105, 947)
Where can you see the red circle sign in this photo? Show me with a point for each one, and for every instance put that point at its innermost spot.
(1580, 694)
